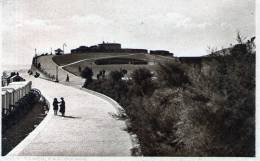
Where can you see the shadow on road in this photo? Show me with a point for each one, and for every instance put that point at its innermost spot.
(48, 79)
(71, 117)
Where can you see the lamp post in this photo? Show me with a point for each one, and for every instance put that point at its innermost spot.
(64, 44)
(35, 50)
(57, 72)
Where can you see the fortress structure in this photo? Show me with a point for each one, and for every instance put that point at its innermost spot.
(116, 48)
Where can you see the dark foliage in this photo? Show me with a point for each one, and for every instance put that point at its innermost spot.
(173, 74)
(203, 109)
(119, 61)
(116, 75)
(87, 73)
(142, 79)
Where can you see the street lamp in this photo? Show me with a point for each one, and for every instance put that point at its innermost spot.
(64, 44)
(57, 69)
(35, 50)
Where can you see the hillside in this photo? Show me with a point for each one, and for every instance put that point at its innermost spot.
(198, 106)
(88, 59)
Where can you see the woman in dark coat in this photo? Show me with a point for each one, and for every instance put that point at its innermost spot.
(55, 106)
(62, 106)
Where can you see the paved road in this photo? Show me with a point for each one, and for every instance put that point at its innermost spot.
(48, 65)
(87, 130)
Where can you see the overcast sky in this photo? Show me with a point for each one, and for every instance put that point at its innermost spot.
(185, 27)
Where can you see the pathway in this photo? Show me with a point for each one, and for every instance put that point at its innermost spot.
(87, 130)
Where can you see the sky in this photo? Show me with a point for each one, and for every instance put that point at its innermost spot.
(184, 27)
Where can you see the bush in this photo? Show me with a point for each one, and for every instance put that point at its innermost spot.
(87, 73)
(143, 84)
(115, 76)
(196, 110)
(172, 74)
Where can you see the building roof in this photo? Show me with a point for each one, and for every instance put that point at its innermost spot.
(16, 76)
(21, 83)
(10, 87)
(58, 49)
(3, 92)
(108, 43)
(10, 90)
(15, 85)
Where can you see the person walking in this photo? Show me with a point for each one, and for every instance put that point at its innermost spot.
(62, 106)
(68, 78)
(55, 106)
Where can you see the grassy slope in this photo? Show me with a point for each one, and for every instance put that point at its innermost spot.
(70, 58)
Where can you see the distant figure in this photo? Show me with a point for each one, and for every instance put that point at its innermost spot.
(62, 106)
(55, 106)
(102, 73)
(68, 78)
(98, 75)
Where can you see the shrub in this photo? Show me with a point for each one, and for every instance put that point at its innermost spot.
(87, 73)
(196, 110)
(142, 79)
(115, 76)
(172, 74)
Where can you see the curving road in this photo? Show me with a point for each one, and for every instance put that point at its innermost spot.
(48, 65)
(87, 130)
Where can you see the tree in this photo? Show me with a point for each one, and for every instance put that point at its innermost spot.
(12, 74)
(116, 75)
(240, 39)
(142, 78)
(87, 73)
(211, 50)
(172, 74)
(124, 71)
(141, 75)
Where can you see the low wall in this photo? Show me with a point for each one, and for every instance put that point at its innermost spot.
(34, 133)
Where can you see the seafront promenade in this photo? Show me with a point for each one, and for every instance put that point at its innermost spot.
(88, 129)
